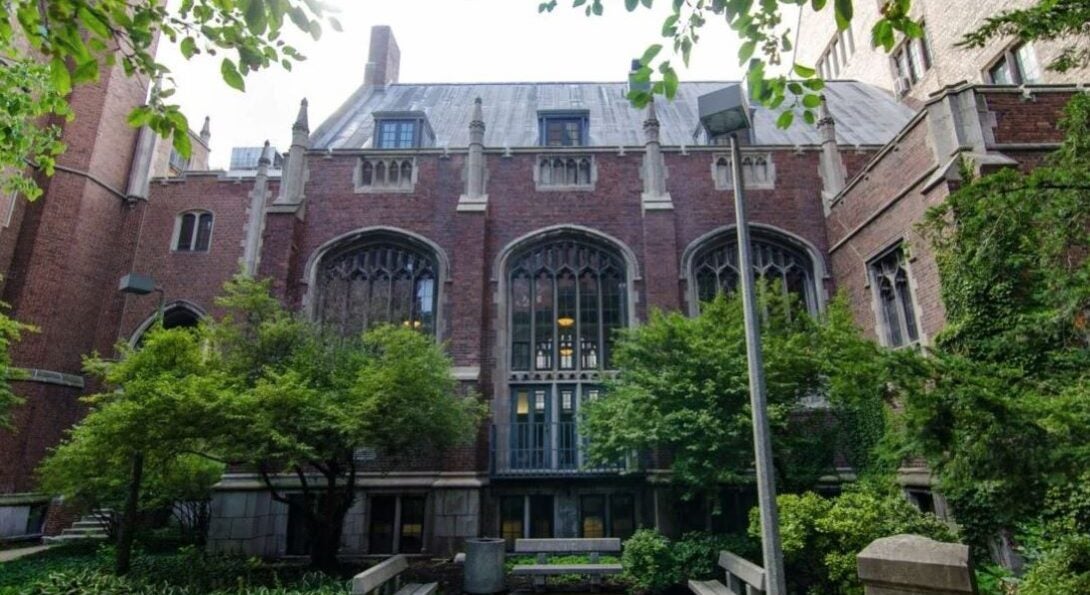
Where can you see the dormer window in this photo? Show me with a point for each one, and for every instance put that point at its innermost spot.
(563, 128)
(402, 130)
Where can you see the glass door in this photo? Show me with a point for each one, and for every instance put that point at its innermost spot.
(530, 436)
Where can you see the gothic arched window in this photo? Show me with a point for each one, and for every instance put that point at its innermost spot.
(381, 279)
(567, 297)
(715, 268)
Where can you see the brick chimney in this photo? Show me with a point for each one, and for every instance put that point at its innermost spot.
(384, 59)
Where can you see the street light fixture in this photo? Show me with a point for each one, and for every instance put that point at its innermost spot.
(724, 112)
(136, 284)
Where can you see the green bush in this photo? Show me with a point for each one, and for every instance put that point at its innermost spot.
(654, 563)
(821, 537)
(1063, 568)
(100, 582)
(696, 554)
(648, 561)
(85, 568)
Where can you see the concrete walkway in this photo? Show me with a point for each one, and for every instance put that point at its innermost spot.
(15, 554)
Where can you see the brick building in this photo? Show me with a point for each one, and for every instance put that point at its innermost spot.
(520, 224)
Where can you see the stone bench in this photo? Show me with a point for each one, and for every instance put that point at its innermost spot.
(544, 547)
(743, 578)
(385, 578)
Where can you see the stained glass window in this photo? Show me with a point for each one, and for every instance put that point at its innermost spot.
(567, 298)
(715, 268)
(384, 280)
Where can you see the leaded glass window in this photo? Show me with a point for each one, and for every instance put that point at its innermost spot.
(567, 298)
(381, 281)
(715, 269)
(193, 232)
(897, 315)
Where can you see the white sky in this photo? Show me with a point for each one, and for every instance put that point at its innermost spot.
(440, 41)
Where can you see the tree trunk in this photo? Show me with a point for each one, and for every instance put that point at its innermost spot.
(329, 513)
(127, 531)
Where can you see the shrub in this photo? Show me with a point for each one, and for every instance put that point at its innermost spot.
(654, 563)
(821, 537)
(648, 561)
(1063, 568)
(696, 554)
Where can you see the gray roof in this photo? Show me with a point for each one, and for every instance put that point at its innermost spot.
(865, 115)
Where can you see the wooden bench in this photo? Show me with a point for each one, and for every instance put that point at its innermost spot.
(544, 547)
(743, 578)
(385, 578)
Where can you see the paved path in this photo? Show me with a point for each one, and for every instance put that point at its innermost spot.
(15, 554)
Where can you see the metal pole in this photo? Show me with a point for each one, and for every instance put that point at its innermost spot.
(762, 441)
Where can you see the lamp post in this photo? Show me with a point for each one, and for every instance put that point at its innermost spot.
(134, 284)
(724, 112)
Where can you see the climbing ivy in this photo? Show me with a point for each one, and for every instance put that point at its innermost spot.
(1002, 409)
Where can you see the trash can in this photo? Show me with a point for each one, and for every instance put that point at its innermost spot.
(484, 566)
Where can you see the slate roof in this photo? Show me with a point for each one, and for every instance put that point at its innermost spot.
(865, 115)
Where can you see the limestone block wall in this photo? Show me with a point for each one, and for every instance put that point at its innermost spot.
(249, 523)
(456, 516)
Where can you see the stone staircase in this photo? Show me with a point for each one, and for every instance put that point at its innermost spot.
(91, 526)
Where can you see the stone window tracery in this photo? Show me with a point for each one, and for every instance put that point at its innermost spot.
(758, 171)
(386, 174)
(715, 268)
(561, 172)
(567, 298)
(893, 295)
(383, 280)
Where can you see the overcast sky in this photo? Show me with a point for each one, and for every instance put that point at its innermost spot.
(440, 41)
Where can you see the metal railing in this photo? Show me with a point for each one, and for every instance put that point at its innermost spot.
(542, 448)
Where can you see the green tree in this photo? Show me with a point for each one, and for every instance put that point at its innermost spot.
(1002, 408)
(10, 331)
(310, 400)
(50, 45)
(683, 389)
(159, 406)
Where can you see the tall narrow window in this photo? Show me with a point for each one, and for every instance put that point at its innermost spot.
(412, 524)
(381, 279)
(622, 515)
(592, 516)
(715, 268)
(193, 232)
(381, 535)
(541, 517)
(298, 537)
(512, 517)
(890, 284)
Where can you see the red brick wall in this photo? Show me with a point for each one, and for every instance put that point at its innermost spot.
(73, 243)
(870, 217)
(1020, 120)
(196, 277)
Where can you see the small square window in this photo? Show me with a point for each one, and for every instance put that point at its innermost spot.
(563, 129)
(193, 232)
